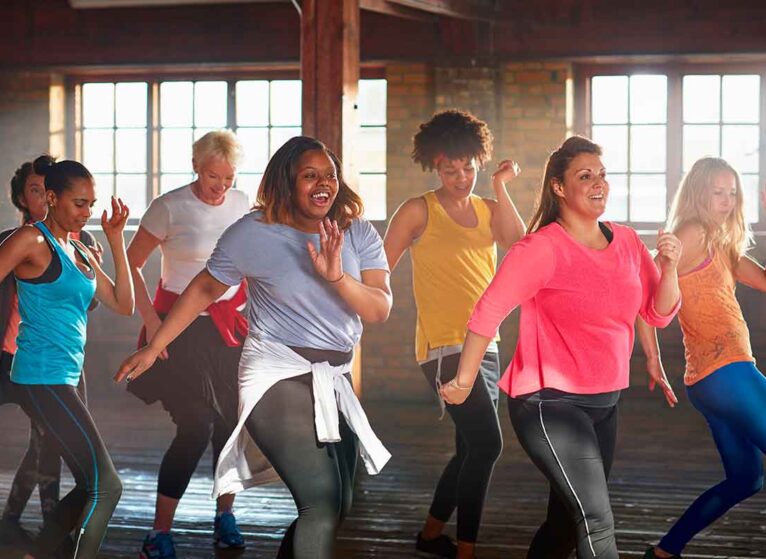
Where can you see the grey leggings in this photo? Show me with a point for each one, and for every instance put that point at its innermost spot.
(320, 476)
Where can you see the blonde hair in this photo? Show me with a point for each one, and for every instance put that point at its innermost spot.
(218, 143)
(691, 205)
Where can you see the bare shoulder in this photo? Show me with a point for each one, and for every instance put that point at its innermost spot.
(691, 235)
(409, 220)
(490, 202)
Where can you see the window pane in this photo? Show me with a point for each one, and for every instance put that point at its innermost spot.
(98, 150)
(647, 198)
(286, 103)
(176, 103)
(104, 191)
(255, 142)
(248, 183)
(131, 150)
(372, 102)
(647, 148)
(372, 150)
(253, 103)
(617, 204)
(610, 99)
(751, 197)
(171, 181)
(614, 141)
(175, 150)
(279, 136)
(700, 141)
(741, 98)
(702, 98)
(210, 104)
(131, 104)
(132, 190)
(98, 105)
(648, 99)
(740, 147)
(372, 189)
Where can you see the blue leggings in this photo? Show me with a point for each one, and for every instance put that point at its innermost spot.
(732, 400)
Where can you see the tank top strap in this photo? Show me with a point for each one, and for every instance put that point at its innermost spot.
(483, 212)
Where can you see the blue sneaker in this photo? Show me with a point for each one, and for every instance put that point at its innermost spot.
(158, 546)
(226, 534)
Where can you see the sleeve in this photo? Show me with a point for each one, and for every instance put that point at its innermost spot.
(156, 218)
(650, 280)
(527, 268)
(223, 264)
(368, 246)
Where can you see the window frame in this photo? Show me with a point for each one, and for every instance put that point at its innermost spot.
(675, 71)
(74, 81)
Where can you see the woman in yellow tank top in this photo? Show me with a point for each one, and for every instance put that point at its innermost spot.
(721, 378)
(451, 234)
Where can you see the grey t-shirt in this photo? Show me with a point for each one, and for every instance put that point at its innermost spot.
(289, 302)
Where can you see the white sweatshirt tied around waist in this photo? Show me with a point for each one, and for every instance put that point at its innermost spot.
(263, 364)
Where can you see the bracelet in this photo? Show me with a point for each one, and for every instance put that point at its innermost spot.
(454, 384)
(342, 275)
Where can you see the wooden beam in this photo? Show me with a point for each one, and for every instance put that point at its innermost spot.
(480, 10)
(391, 8)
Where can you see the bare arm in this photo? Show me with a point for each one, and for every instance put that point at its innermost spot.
(507, 224)
(647, 337)
(406, 225)
(474, 348)
(751, 273)
(19, 250)
(117, 295)
(198, 295)
(668, 254)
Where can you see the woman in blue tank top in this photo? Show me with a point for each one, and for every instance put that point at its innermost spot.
(57, 278)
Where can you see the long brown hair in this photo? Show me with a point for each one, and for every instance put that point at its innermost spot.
(275, 193)
(558, 162)
(691, 204)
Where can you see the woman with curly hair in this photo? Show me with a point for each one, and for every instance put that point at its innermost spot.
(315, 270)
(721, 378)
(451, 234)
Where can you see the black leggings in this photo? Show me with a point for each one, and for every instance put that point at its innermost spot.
(478, 443)
(320, 476)
(195, 427)
(40, 466)
(573, 446)
(63, 415)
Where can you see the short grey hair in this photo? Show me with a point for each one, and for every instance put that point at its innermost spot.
(223, 144)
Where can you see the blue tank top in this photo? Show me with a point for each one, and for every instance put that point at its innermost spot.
(54, 318)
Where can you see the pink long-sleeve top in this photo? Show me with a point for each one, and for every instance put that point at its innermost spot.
(578, 310)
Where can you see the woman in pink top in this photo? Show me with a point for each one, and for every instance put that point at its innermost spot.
(581, 284)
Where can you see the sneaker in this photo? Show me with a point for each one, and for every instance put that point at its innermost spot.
(649, 554)
(439, 547)
(226, 534)
(158, 546)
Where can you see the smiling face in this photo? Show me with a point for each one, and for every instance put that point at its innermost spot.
(72, 209)
(585, 189)
(457, 176)
(723, 195)
(33, 197)
(315, 189)
(215, 176)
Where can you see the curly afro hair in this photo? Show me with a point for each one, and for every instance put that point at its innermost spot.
(453, 134)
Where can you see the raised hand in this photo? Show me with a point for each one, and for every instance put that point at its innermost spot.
(114, 225)
(668, 251)
(327, 262)
(507, 170)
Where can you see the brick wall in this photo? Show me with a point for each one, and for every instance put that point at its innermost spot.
(23, 130)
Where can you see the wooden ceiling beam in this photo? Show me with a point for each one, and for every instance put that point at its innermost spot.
(462, 9)
(392, 8)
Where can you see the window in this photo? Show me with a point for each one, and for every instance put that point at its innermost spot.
(655, 123)
(136, 136)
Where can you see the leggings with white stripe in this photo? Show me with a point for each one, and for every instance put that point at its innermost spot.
(573, 446)
(59, 410)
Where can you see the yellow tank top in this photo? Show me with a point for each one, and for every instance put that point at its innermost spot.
(452, 265)
(715, 332)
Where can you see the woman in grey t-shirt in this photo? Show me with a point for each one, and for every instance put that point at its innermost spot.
(315, 269)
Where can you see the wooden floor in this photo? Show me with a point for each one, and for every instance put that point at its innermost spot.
(664, 459)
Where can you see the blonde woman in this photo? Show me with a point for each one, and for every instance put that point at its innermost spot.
(196, 377)
(721, 378)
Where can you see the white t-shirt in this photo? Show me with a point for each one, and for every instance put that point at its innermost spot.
(188, 230)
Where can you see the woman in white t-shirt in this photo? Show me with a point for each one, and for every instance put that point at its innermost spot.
(196, 378)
